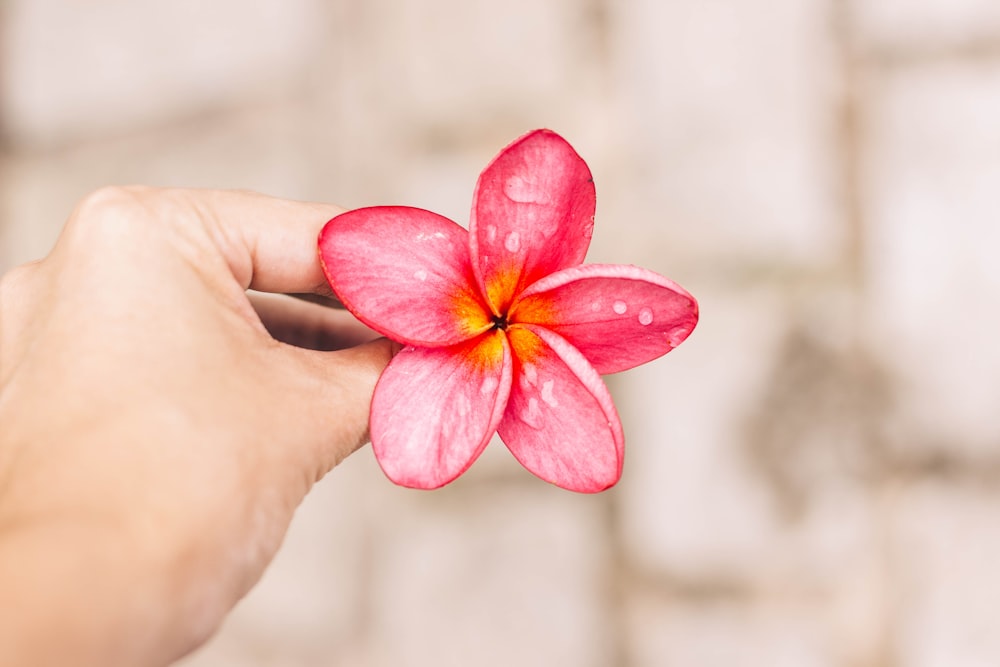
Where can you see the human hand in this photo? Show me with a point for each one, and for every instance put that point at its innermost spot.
(155, 439)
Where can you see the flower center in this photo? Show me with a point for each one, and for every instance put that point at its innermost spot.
(500, 322)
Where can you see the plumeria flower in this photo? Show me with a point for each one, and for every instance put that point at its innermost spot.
(505, 330)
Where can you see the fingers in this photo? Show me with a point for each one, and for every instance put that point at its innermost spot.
(269, 244)
(165, 246)
(276, 239)
(309, 325)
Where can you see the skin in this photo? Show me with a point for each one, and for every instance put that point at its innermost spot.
(155, 436)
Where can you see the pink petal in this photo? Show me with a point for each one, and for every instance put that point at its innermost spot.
(532, 214)
(617, 316)
(560, 422)
(404, 272)
(434, 410)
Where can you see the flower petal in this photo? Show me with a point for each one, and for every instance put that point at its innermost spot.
(404, 272)
(532, 214)
(618, 316)
(560, 422)
(434, 410)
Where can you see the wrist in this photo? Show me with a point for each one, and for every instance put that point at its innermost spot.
(72, 596)
(85, 583)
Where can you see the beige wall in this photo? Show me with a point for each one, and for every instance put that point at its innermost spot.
(813, 479)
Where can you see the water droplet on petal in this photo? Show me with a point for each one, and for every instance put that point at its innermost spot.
(512, 242)
(420, 275)
(547, 394)
(491, 233)
(620, 307)
(645, 316)
(595, 306)
(524, 191)
(422, 237)
(530, 374)
(489, 385)
(532, 415)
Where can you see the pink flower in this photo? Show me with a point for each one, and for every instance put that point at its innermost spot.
(505, 330)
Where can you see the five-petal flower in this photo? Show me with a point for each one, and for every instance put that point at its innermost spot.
(505, 329)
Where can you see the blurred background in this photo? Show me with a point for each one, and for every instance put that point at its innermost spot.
(812, 479)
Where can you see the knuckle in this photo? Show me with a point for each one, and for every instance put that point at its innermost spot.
(118, 205)
(124, 220)
(112, 202)
(113, 196)
(126, 213)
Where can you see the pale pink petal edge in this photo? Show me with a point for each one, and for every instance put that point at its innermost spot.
(592, 382)
(498, 407)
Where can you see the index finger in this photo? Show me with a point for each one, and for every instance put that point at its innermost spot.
(270, 244)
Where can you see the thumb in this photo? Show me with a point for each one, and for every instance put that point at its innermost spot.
(336, 411)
